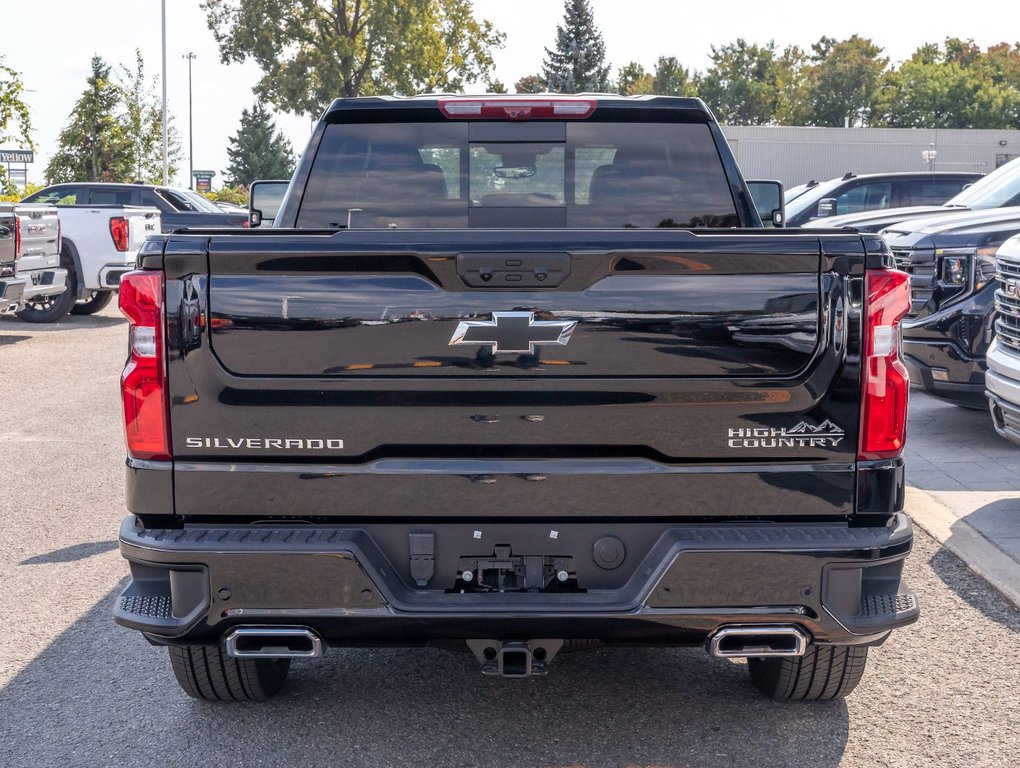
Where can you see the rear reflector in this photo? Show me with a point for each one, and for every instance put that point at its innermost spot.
(885, 382)
(119, 232)
(517, 109)
(143, 382)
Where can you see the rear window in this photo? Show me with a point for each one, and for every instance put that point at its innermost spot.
(59, 196)
(446, 175)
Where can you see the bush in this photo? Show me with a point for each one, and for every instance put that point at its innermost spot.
(234, 195)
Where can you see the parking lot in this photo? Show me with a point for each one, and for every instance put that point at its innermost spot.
(77, 690)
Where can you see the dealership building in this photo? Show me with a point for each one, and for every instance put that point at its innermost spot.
(795, 155)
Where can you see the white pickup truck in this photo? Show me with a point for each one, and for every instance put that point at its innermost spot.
(98, 244)
(39, 262)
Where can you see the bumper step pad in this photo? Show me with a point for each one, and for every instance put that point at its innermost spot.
(149, 606)
(887, 605)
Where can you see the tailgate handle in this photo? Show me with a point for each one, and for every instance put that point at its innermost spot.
(513, 270)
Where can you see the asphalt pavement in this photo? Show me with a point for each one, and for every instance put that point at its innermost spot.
(77, 690)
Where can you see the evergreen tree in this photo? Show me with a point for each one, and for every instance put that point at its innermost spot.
(143, 125)
(259, 150)
(578, 63)
(93, 145)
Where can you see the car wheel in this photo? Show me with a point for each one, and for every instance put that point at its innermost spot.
(49, 309)
(821, 674)
(92, 303)
(206, 672)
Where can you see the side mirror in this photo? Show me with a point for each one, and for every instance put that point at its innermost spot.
(826, 207)
(264, 201)
(767, 196)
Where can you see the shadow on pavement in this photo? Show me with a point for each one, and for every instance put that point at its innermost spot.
(99, 693)
(72, 554)
(12, 339)
(69, 323)
(973, 590)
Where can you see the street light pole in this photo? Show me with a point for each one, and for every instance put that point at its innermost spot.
(166, 164)
(191, 133)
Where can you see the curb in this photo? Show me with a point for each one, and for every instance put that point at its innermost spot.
(955, 534)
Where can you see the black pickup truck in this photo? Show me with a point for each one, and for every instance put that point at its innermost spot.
(523, 374)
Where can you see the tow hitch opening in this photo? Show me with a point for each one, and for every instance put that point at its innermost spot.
(515, 658)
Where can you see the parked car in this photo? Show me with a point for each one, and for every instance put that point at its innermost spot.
(951, 263)
(999, 189)
(869, 191)
(12, 287)
(39, 264)
(1002, 380)
(178, 208)
(465, 390)
(232, 209)
(99, 242)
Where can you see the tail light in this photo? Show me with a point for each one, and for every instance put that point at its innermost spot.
(119, 232)
(17, 238)
(60, 237)
(143, 382)
(884, 381)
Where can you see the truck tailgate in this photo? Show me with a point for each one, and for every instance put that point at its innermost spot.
(404, 373)
(40, 231)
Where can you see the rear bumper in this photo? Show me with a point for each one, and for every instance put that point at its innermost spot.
(12, 291)
(944, 371)
(841, 585)
(45, 282)
(110, 275)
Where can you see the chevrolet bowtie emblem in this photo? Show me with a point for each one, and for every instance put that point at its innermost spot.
(513, 332)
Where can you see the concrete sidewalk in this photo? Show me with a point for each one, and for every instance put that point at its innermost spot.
(964, 488)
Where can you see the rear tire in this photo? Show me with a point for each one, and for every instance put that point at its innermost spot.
(90, 306)
(206, 672)
(823, 673)
(49, 309)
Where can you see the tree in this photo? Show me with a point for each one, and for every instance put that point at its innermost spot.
(634, 79)
(258, 150)
(531, 84)
(93, 146)
(672, 79)
(15, 120)
(843, 81)
(578, 61)
(953, 86)
(315, 50)
(143, 124)
(742, 84)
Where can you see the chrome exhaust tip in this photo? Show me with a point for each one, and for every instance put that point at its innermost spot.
(758, 641)
(272, 643)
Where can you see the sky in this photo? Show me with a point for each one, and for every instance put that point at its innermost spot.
(55, 42)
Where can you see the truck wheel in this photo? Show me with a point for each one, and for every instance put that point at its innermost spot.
(206, 672)
(49, 309)
(93, 303)
(821, 674)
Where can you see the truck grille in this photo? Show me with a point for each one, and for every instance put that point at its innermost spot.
(1007, 306)
(920, 265)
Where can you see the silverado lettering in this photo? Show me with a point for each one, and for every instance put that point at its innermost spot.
(267, 443)
(500, 487)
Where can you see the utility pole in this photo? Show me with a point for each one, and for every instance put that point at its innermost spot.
(191, 133)
(166, 164)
